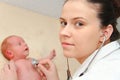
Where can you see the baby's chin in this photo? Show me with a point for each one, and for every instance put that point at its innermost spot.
(26, 54)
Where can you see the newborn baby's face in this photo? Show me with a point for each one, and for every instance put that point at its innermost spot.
(19, 47)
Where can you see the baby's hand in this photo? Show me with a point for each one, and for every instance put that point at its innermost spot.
(51, 55)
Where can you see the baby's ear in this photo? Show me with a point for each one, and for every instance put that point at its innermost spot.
(9, 54)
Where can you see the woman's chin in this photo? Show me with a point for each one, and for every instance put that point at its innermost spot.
(67, 56)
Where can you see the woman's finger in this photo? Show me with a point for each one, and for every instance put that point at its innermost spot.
(44, 65)
(12, 66)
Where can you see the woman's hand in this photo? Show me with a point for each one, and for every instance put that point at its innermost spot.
(48, 69)
(9, 72)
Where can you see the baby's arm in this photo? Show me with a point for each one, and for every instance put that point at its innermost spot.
(35, 62)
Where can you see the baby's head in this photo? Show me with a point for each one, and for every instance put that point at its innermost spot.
(14, 48)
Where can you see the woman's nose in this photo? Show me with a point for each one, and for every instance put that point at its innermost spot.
(66, 31)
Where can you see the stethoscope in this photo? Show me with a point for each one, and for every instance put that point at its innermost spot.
(69, 77)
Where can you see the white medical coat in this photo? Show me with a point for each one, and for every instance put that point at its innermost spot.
(105, 66)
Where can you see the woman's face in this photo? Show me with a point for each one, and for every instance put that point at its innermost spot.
(80, 29)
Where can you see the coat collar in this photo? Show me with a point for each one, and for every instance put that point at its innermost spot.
(105, 50)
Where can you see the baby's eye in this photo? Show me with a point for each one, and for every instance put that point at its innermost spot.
(19, 43)
(63, 23)
(78, 24)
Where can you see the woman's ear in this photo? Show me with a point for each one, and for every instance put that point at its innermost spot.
(9, 54)
(106, 33)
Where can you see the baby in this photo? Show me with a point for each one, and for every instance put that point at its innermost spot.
(14, 48)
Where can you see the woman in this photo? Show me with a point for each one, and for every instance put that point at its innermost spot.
(88, 33)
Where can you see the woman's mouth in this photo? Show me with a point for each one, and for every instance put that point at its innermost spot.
(65, 44)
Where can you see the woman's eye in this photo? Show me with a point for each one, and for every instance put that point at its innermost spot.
(78, 24)
(63, 23)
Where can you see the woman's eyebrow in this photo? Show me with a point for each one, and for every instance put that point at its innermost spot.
(73, 18)
(61, 18)
(78, 18)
